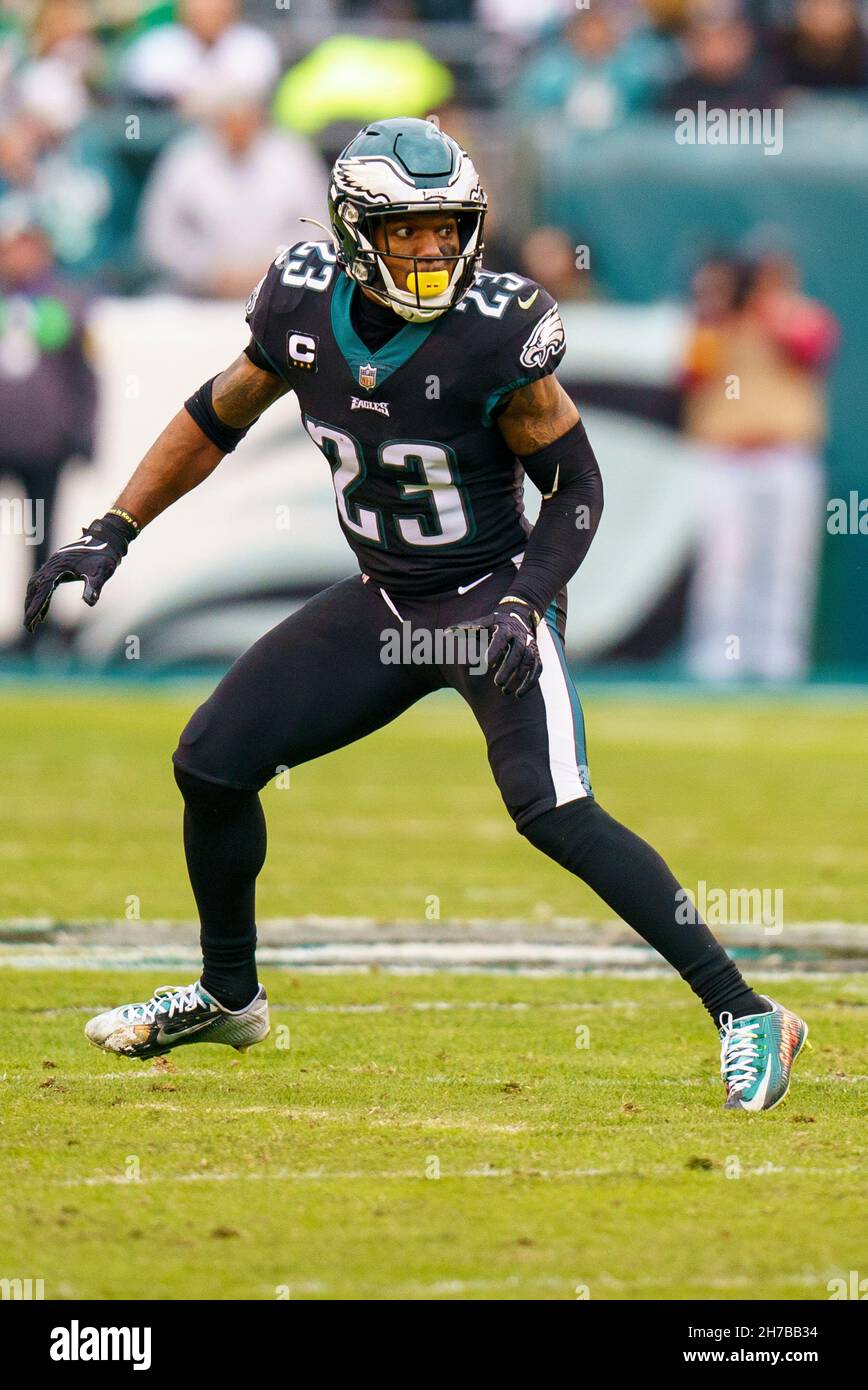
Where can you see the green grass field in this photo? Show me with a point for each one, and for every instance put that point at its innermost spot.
(307, 1166)
(732, 792)
(430, 1136)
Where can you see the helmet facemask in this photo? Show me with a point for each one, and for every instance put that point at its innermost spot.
(425, 293)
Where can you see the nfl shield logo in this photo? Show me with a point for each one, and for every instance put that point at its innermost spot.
(368, 377)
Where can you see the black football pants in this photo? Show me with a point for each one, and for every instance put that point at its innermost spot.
(347, 663)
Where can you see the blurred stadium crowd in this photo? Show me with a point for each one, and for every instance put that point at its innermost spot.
(174, 146)
(179, 142)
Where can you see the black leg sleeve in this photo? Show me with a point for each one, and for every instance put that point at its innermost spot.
(224, 841)
(636, 883)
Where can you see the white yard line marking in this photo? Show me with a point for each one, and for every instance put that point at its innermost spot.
(523, 949)
(347, 923)
(456, 1005)
(337, 953)
(485, 1172)
(415, 1005)
(604, 968)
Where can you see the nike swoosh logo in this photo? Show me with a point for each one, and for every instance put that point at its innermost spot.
(759, 1099)
(464, 588)
(526, 303)
(169, 1032)
(84, 544)
(547, 495)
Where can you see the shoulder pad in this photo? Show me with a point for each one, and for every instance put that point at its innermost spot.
(492, 295)
(518, 312)
(307, 266)
(514, 331)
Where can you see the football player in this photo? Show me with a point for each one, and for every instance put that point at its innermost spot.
(429, 386)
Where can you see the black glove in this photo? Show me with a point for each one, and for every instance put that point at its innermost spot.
(512, 652)
(94, 558)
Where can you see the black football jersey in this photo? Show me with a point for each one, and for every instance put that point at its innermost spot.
(428, 494)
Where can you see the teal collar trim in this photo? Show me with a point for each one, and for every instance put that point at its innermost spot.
(390, 356)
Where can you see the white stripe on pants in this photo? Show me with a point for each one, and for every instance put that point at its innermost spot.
(560, 722)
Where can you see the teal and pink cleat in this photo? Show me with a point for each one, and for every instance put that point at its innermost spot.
(757, 1053)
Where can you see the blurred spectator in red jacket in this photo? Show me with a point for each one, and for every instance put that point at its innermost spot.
(756, 409)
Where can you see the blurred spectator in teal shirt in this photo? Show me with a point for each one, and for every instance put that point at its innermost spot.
(81, 191)
(51, 152)
(598, 71)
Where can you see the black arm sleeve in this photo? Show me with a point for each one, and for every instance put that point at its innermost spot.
(202, 410)
(567, 474)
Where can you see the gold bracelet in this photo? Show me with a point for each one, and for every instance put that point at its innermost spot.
(119, 511)
(513, 598)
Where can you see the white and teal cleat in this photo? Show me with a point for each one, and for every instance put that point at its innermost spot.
(757, 1053)
(176, 1015)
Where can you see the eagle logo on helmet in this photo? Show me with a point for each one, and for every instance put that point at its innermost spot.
(547, 340)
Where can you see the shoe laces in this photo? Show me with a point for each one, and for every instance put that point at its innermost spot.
(740, 1050)
(168, 1000)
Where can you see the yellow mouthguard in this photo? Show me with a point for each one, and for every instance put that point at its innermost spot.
(430, 283)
